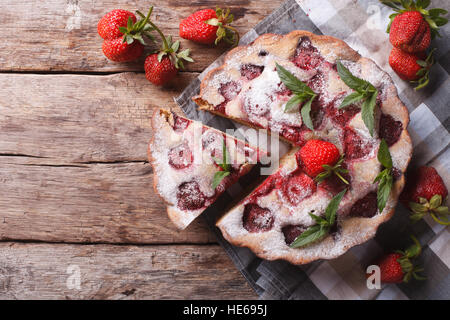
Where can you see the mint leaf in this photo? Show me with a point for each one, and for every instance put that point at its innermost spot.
(226, 167)
(293, 103)
(384, 156)
(349, 79)
(367, 110)
(225, 155)
(351, 99)
(319, 220)
(364, 90)
(384, 178)
(311, 235)
(301, 93)
(321, 229)
(330, 211)
(218, 177)
(291, 81)
(384, 189)
(306, 113)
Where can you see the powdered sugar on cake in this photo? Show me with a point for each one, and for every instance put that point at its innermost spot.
(184, 162)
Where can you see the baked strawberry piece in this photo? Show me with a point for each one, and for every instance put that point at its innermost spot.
(194, 164)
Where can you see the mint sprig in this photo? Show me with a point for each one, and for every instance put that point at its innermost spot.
(226, 167)
(364, 91)
(301, 93)
(323, 225)
(384, 178)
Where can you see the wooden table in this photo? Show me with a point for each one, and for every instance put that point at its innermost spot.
(76, 196)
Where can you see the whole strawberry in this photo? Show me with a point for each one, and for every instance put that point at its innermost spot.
(412, 67)
(118, 51)
(123, 36)
(108, 26)
(425, 193)
(413, 26)
(161, 67)
(410, 32)
(321, 159)
(159, 72)
(397, 267)
(208, 26)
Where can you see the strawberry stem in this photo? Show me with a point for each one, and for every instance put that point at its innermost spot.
(147, 18)
(165, 44)
(435, 218)
(236, 42)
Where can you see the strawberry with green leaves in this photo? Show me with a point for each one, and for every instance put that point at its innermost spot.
(321, 159)
(363, 91)
(323, 225)
(123, 36)
(426, 193)
(163, 66)
(412, 26)
(398, 266)
(209, 26)
(413, 67)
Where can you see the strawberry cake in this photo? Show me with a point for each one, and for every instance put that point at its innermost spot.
(350, 147)
(187, 159)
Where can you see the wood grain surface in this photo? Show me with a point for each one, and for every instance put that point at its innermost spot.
(75, 184)
(73, 164)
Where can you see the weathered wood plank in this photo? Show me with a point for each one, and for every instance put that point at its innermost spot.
(68, 124)
(79, 118)
(45, 271)
(108, 203)
(62, 35)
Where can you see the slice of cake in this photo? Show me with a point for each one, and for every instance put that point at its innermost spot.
(194, 164)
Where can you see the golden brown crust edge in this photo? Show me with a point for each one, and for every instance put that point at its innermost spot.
(172, 214)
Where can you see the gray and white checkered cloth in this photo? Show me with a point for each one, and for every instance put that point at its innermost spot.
(362, 25)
